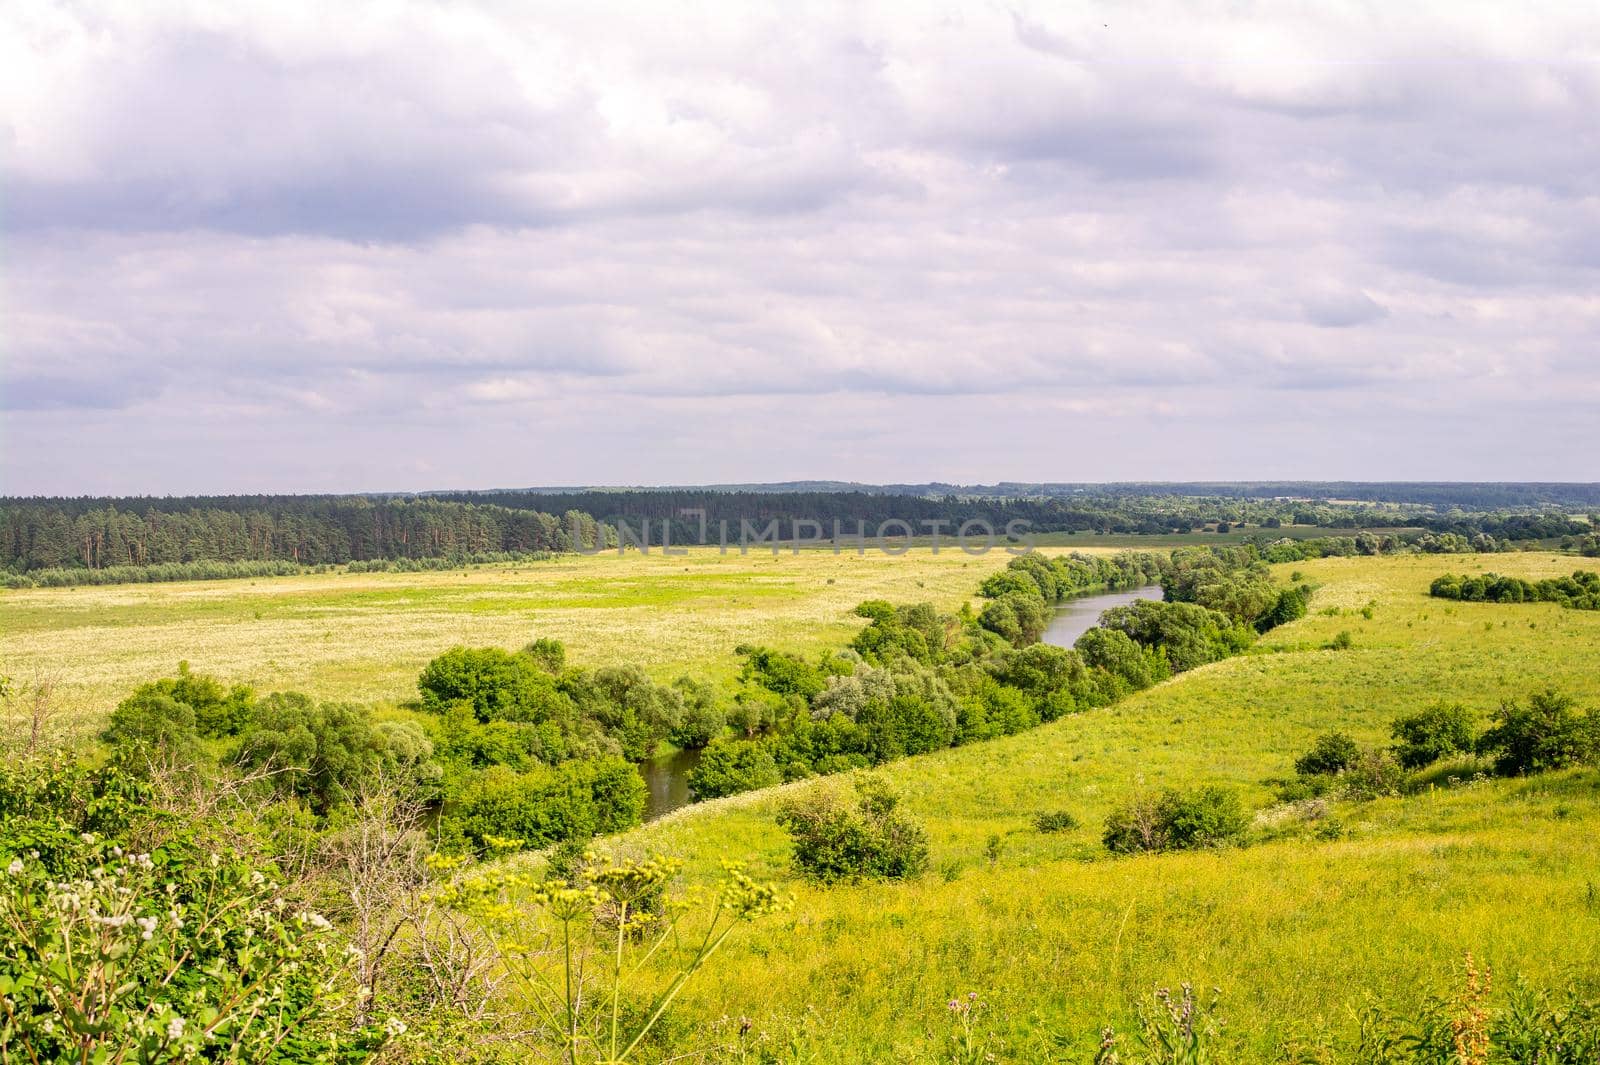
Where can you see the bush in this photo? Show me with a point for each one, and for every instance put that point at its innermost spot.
(1177, 820)
(572, 801)
(177, 950)
(870, 839)
(1054, 821)
(1334, 752)
(155, 721)
(1439, 731)
(172, 714)
(727, 767)
(1547, 733)
(1374, 773)
(499, 685)
(329, 748)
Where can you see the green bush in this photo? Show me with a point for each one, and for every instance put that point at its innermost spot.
(499, 685)
(869, 839)
(1177, 820)
(1373, 774)
(172, 714)
(727, 767)
(327, 750)
(1439, 731)
(572, 801)
(1333, 753)
(152, 720)
(1054, 821)
(179, 950)
(1545, 733)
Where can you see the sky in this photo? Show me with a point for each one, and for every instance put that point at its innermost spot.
(311, 247)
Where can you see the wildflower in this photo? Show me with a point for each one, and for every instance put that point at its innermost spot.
(15, 868)
(175, 1028)
(395, 1027)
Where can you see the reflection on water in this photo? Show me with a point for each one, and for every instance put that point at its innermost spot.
(666, 781)
(1077, 616)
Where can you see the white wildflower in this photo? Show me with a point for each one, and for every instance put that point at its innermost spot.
(15, 868)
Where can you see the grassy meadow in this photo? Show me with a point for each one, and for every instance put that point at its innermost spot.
(366, 636)
(1057, 939)
(1297, 934)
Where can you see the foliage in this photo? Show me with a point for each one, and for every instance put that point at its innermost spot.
(499, 685)
(1334, 752)
(1173, 1030)
(1547, 732)
(1188, 635)
(1580, 591)
(546, 804)
(323, 751)
(1210, 815)
(176, 953)
(1054, 821)
(1439, 731)
(729, 766)
(870, 838)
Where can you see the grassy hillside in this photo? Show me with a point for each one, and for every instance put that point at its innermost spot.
(1297, 934)
(366, 636)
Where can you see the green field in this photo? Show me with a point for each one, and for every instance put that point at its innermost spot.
(366, 636)
(1297, 934)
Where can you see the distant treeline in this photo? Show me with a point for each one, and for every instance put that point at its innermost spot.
(1443, 495)
(211, 570)
(98, 534)
(1100, 512)
(101, 534)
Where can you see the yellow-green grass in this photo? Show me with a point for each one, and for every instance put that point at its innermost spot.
(1298, 934)
(366, 636)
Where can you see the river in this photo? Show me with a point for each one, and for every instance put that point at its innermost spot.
(666, 782)
(1077, 616)
(666, 776)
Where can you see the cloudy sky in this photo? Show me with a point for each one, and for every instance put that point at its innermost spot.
(331, 247)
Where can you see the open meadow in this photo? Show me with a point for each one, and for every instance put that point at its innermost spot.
(365, 636)
(1299, 935)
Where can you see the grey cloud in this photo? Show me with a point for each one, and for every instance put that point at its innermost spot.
(490, 228)
(1338, 310)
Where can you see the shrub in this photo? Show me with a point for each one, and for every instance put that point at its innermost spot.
(572, 801)
(153, 720)
(1289, 606)
(1374, 773)
(1177, 820)
(702, 719)
(499, 685)
(1054, 821)
(549, 655)
(727, 767)
(1334, 752)
(178, 950)
(171, 714)
(1439, 731)
(869, 839)
(330, 748)
(1546, 733)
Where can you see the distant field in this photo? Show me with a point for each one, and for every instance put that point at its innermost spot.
(366, 636)
(1297, 935)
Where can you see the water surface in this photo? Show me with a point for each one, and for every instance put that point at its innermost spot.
(1077, 616)
(666, 781)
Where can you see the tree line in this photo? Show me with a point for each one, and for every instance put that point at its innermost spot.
(299, 530)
